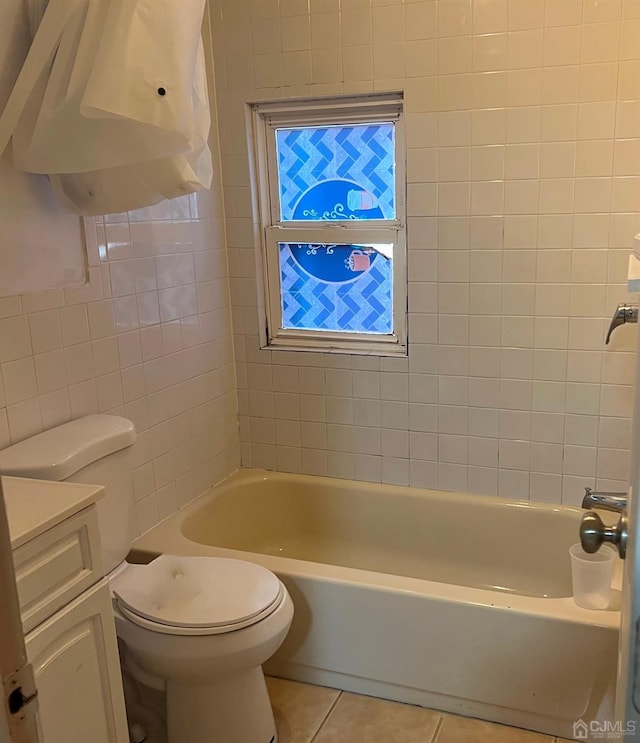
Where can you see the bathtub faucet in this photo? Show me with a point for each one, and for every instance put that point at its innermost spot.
(607, 501)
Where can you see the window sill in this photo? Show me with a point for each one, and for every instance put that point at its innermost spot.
(338, 347)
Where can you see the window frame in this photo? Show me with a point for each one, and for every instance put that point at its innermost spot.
(263, 118)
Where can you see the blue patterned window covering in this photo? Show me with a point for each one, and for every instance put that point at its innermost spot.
(336, 173)
(340, 288)
(343, 172)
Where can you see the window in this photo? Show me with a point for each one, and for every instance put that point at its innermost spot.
(331, 194)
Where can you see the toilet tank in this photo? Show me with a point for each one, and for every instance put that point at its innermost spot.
(95, 449)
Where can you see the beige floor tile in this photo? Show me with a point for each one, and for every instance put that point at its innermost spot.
(360, 719)
(299, 709)
(467, 730)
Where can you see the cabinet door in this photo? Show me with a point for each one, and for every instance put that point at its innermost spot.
(75, 660)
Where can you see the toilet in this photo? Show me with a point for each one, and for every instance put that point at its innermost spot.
(201, 627)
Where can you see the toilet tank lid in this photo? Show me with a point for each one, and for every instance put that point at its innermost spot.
(60, 452)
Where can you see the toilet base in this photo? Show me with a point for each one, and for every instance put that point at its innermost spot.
(236, 710)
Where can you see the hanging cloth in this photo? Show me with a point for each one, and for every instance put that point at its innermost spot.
(112, 104)
(127, 187)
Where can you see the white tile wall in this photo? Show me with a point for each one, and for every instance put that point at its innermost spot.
(121, 346)
(150, 338)
(124, 346)
(523, 129)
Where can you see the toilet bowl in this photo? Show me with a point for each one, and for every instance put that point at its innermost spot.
(201, 627)
(205, 626)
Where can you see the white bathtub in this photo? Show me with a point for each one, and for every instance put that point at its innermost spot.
(451, 601)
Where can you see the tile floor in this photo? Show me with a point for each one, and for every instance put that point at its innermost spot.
(314, 714)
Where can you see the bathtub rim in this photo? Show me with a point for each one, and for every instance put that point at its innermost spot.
(167, 538)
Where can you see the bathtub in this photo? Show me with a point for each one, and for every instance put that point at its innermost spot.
(450, 601)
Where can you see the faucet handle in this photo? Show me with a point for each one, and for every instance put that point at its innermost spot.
(624, 313)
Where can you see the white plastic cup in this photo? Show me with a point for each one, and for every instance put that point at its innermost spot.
(591, 576)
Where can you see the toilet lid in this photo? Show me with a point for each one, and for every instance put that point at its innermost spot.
(202, 594)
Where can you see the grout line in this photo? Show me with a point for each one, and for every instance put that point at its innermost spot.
(436, 732)
(326, 717)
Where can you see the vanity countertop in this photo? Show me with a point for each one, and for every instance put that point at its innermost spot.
(33, 506)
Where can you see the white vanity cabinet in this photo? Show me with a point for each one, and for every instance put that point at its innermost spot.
(66, 612)
(74, 657)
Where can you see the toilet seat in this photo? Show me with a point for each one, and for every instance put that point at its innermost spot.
(196, 595)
